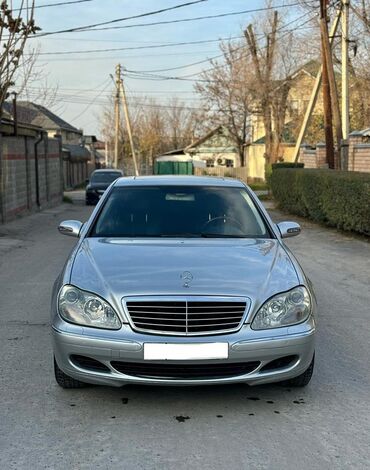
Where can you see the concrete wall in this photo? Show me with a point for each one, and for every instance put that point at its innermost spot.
(20, 192)
(255, 159)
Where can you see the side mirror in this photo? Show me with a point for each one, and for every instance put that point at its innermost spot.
(70, 227)
(289, 229)
(87, 181)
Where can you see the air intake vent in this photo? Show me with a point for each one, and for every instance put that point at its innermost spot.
(185, 371)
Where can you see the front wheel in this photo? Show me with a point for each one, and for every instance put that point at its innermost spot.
(303, 379)
(64, 380)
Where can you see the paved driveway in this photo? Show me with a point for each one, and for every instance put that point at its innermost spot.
(42, 426)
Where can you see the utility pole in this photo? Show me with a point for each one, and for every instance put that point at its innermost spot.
(328, 117)
(315, 92)
(333, 90)
(128, 124)
(106, 152)
(117, 115)
(345, 81)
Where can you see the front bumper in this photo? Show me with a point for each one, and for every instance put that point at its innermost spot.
(125, 345)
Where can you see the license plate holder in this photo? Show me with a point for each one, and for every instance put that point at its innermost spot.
(185, 351)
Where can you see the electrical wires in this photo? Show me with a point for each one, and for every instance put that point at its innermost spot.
(93, 27)
(97, 26)
(149, 74)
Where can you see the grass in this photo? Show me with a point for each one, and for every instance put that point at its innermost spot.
(67, 199)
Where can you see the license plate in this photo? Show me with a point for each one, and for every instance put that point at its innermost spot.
(183, 352)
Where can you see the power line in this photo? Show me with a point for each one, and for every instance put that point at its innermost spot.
(92, 101)
(152, 46)
(282, 28)
(90, 90)
(94, 27)
(117, 20)
(134, 48)
(126, 56)
(149, 72)
(75, 99)
(71, 2)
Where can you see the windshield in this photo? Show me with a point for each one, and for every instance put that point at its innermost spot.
(174, 211)
(105, 177)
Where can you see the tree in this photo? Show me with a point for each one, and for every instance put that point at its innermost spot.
(156, 128)
(270, 91)
(181, 122)
(14, 32)
(30, 73)
(226, 95)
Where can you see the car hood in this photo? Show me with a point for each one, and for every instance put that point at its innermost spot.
(114, 268)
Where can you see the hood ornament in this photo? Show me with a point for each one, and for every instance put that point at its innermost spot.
(186, 277)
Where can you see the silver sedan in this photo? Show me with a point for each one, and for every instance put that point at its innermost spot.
(181, 281)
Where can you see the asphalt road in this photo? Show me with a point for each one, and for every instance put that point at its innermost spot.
(324, 426)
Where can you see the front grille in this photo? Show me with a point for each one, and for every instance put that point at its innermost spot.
(184, 371)
(186, 316)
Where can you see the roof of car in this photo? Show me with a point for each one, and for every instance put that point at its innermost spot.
(177, 180)
(108, 170)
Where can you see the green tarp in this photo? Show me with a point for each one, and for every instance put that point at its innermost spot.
(173, 168)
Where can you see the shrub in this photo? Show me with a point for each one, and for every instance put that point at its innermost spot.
(280, 165)
(337, 198)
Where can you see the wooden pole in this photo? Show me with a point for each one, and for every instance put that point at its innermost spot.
(328, 117)
(106, 152)
(345, 82)
(128, 124)
(117, 116)
(314, 95)
(333, 88)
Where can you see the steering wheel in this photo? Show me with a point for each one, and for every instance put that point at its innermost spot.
(224, 218)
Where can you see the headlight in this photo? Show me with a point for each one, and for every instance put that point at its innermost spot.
(84, 308)
(284, 309)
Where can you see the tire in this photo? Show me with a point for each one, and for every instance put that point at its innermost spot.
(303, 379)
(64, 380)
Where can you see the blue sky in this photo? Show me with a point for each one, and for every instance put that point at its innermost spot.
(81, 77)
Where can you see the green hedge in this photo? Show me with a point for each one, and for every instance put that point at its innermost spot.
(337, 198)
(280, 165)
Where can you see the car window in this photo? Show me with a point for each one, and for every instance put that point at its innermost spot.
(105, 177)
(174, 211)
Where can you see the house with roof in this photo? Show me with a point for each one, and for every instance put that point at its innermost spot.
(216, 149)
(77, 159)
(302, 82)
(98, 150)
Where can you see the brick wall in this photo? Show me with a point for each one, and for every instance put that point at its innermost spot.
(358, 155)
(21, 171)
(313, 157)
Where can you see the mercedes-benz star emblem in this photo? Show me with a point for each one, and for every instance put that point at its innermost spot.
(186, 277)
